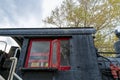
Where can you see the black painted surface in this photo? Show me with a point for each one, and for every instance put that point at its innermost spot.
(48, 31)
(19, 33)
(83, 60)
(22, 57)
(33, 75)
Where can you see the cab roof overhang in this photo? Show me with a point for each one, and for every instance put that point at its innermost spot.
(19, 33)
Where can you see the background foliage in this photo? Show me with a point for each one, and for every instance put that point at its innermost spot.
(103, 15)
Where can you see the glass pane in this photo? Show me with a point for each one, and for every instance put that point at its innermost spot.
(65, 52)
(40, 46)
(39, 54)
(54, 55)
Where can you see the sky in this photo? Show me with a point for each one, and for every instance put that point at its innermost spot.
(24, 14)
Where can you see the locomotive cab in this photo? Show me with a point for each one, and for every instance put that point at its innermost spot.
(54, 54)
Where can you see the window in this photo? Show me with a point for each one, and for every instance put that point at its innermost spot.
(48, 53)
(65, 54)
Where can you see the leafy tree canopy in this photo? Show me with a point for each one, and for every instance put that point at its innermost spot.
(104, 15)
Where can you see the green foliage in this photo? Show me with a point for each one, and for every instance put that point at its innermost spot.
(105, 44)
(104, 15)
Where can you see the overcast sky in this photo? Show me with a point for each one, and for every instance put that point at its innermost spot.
(25, 13)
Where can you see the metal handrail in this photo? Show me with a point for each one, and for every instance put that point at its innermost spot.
(16, 52)
(13, 67)
(18, 77)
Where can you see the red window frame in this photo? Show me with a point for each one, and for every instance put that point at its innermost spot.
(50, 64)
(60, 66)
(57, 54)
(29, 49)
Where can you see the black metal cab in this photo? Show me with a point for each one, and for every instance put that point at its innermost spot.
(55, 53)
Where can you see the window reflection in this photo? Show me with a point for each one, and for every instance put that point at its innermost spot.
(39, 54)
(65, 52)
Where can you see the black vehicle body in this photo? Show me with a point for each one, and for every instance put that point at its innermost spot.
(84, 64)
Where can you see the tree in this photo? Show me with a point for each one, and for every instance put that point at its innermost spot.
(100, 14)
